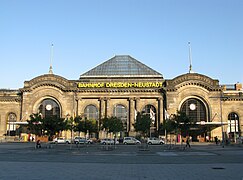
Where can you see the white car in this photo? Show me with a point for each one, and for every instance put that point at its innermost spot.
(108, 141)
(82, 140)
(130, 140)
(154, 140)
(61, 140)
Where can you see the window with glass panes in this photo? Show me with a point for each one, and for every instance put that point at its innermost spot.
(91, 112)
(49, 108)
(195, 109)
(120, 111)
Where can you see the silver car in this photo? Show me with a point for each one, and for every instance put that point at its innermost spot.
(61, 140)
(108, 141)
(130, 140)
(82, 140)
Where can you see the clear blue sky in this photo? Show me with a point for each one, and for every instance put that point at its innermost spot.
(86, 33)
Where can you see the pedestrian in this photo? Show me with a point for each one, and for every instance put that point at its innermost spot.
(216, 140)
(188, 142)
(38, 145)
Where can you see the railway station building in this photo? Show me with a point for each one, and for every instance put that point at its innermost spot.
(121, 87)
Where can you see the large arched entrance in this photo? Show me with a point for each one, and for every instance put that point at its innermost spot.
(49, 108)
(197, 111)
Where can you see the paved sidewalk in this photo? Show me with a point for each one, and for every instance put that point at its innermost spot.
(97, 171)
(202, 162)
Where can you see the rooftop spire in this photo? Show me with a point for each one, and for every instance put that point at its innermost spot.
(51, 59)
(190, 58)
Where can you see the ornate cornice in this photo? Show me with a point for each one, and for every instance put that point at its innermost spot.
(233, 99)
(10, 95)
(10, 99)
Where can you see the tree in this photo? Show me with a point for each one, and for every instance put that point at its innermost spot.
(112, 124)
(71, 125)
(178, 123)
(46, 126)
(53, 125)
(35, 125)
(143, 124)
(170, 125)
(182, 122)
(85, 125)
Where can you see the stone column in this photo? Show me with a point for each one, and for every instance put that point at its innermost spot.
(131, 114)
(102, 108)
(108, 108)
(76, 99)
(160, 111)
(138, 108)
(79, 104)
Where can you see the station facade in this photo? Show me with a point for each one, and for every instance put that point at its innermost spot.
(123, 86)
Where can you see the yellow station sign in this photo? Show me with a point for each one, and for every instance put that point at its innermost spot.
(121, 85)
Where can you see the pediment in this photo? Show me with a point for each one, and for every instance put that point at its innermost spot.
(192, 79)
(47, 80)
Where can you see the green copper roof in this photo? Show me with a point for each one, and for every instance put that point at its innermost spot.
(122, 66)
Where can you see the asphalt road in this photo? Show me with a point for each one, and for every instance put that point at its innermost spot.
(23, 161)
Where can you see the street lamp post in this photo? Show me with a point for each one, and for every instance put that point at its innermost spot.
(221, 118)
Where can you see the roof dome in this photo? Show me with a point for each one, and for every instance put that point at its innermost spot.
(122, 66)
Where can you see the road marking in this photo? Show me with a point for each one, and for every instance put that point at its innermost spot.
(197, 153)
(167, 153)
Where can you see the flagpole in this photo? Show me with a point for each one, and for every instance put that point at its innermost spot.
(51, 59)
(190, 58)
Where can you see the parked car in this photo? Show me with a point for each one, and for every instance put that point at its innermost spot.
(130, 140)
(239, 140)
(155, 140)
(108, 141)
(82, 140)
(61, 140)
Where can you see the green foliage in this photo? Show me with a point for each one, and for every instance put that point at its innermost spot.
(35, 125)
(112, 124)
(85, 125)
(46, 126)
(179, 122)
(170, 125)
(70, 124)
(53, 125)
(142, 124)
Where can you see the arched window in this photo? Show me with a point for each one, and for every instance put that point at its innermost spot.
(233, 123)
(12, 117)
(91, 112)
(120, 111)
(151, 111)
(195, 109)
(11, 126)
(49, 108)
